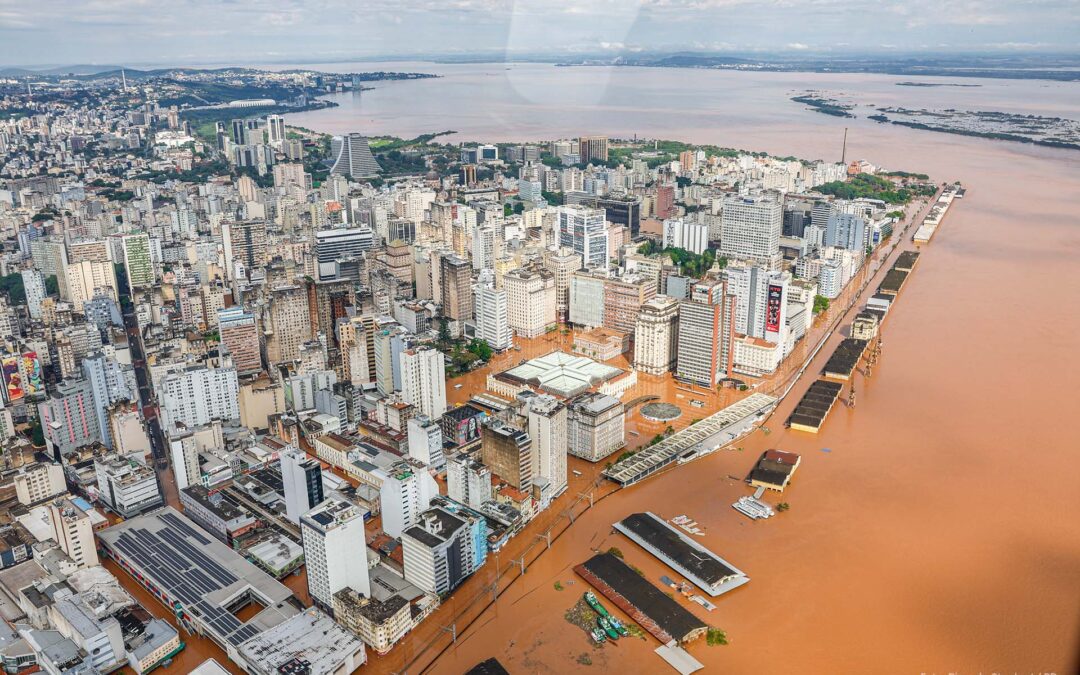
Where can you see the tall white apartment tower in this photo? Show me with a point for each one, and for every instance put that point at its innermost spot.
(423, 380)
(492, 316)
(406, 492)
(335, 551)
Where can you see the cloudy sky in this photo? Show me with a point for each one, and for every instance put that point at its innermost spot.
(253, 31)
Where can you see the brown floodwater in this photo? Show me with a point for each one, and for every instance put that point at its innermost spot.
(939, 533)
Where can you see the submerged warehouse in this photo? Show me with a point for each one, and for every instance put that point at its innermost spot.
(646, 604)
(705, 569)
(814, 406)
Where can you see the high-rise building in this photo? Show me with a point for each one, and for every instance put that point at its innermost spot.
(426, 442)
(406, 492)
(584, 231)
(73, 532)
(548, 432)
(137, 260)
(240, 338)
(656, 335)
(301, 478)
(110, 383)
(846, 230)
(706, 331)
(333, 247)
(587, 299)
(593, 148)
(198, 395)
(290, 324)
(351, 156)
(531, 301)
(423, 380)
(750, 228)
(679, 233)
(184, 455)
(39, 481)
(595, 426)
(456, 285)
(443, 549)
(335, 551)
(468, 481)
(68, 417)
(491, 307)
(562, 263)
(87, 279)
(760, 301)
(34, 288)
(623, 298)
(51, 258)
(508, 452)
(244, 242)
(487, 246)
(275, 130)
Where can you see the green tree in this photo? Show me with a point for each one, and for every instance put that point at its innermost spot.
(52, 285)
(12, 286)
(821, 303)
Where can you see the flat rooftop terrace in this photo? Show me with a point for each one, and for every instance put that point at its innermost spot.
(650, 607)
(708, 571)
(906, 261)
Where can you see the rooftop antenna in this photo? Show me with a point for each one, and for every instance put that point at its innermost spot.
(843, 153)
(123, 78)
(29, 93)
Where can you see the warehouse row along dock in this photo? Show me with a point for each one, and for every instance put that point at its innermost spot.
(937, 213)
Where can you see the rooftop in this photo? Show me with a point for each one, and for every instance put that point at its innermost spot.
(561, 374)
(310, 636)
(196, 570)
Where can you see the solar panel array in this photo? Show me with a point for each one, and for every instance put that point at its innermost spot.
(186, 573)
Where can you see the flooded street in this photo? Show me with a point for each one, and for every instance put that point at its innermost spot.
(938, 533)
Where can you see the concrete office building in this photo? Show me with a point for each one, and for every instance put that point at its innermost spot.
(301, 478)
(595, 426)
(531, 301)
(426, 442)
(73, 531)
(126, 487)
(443, 549)
(198, 395)
(750, 229)
(332, 247)
(548, 431)
(406, 492)
(290, 324)
(846, 230)
(585, 232)
(508, 452)
(562, 263)
(656, 336)
(693, 237)
(468, 481)
(706, 331)
(239, 334)
(334, 551)
(587, 300)
(455, 282)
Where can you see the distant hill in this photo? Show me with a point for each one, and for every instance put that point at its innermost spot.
(77, 69)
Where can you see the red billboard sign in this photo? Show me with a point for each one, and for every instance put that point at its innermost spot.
(773, 308)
